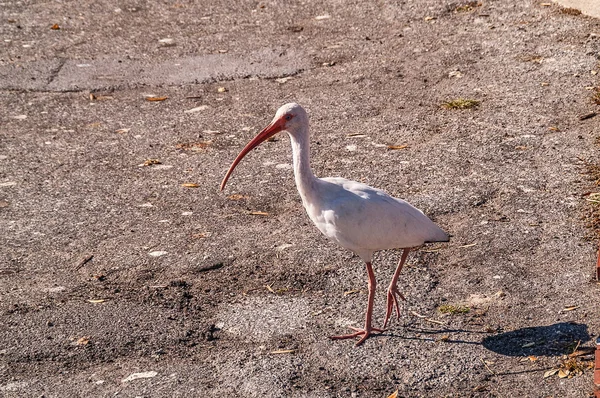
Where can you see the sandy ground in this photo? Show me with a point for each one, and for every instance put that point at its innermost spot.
(117, 280)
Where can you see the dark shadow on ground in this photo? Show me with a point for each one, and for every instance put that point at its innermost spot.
(552, 340)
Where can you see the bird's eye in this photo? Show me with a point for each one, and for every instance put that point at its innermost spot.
(288, 117)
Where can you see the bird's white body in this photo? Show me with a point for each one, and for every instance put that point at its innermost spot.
(365, 219)
(354, 215)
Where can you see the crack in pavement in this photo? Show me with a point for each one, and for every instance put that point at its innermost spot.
(67, 75)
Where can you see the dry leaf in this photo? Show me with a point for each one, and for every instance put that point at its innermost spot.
(429, 18)
(571, 308)
(550, 372)
(521, 148)
(269, 288)
(444, 338)
(358, 135)
(394, 147)
(190, 185)
(582, 351)
(221, 90)
(349, 292)
(393, 395)
(96, 301)
(156, 98)
(283, 352)
(83, 340)
(122, 131)
(532, 358)
(563, 373)
(150, 162)
(418, 315)
(55, 27)
(258, 213)
(237, 196)
(553, 128)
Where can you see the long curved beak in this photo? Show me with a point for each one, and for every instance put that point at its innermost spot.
(273, 128)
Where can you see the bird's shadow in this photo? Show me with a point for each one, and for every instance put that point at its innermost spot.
(552, 340)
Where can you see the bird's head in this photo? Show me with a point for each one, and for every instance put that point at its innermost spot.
(289, 117)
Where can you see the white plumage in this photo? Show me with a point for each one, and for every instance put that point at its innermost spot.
(354, 215)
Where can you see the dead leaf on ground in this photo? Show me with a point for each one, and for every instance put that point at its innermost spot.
(85, 340)
(582, 352)
(562, 373)
(55, 27)
(156, 99)
(258, 213)
(521, 148)
(393, 395)
(283, 352)
(94, 125)
(221, 90)
(122, 131)
(349, 292)
(395, 147)
(237, 196)
(571, 308)
(550, 372)
(150, 162)
(190, 185)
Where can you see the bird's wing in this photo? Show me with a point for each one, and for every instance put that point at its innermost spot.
(372, 219)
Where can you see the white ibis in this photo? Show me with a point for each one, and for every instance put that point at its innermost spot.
(354, 215)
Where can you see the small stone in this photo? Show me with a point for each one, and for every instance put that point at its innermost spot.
(157, 253)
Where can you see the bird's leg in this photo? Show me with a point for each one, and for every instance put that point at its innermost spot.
(366, 332)
(393, 293)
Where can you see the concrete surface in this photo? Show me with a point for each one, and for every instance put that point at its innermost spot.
(116, 280)
(588, 7)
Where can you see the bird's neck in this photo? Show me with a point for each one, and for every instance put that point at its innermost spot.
(305, 179)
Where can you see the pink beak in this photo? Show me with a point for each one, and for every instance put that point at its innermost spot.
(275, 127)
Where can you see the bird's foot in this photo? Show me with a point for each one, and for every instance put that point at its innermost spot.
(392, 301)
(365, 333)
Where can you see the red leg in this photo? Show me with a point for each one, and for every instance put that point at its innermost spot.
(393, 293)
(366, 332)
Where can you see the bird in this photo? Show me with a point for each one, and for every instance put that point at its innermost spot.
(354, 215)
